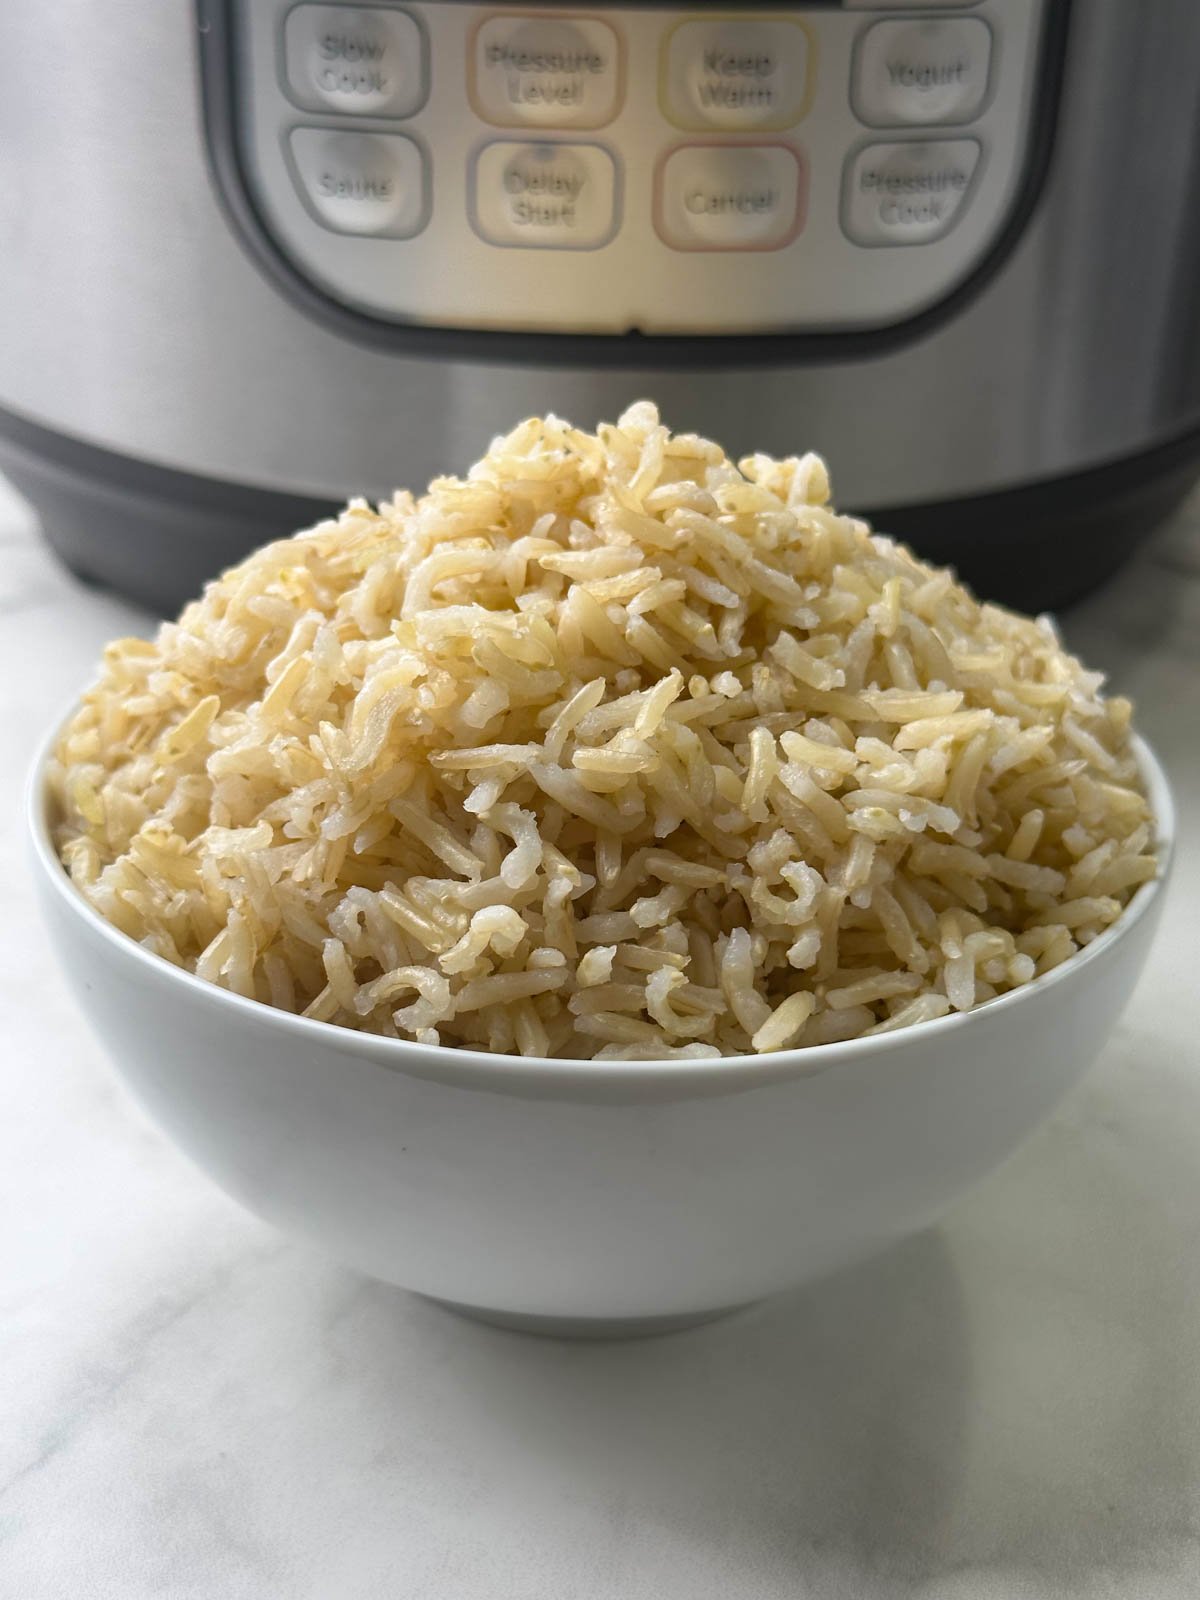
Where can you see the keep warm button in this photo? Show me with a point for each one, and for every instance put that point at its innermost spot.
(736, 74)
(729, 197)
(907, 193)
(550, 196)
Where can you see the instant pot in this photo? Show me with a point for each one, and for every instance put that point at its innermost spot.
(258, 255)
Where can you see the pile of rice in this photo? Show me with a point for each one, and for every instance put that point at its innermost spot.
(612, 748)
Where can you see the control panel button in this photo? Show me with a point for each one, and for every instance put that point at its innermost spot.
(355, 61)
(544, 196)
(729, 197)
(365, 183)
(907, 193)
(552, 72)
(907, 5)
(745, 74)
(922, 72)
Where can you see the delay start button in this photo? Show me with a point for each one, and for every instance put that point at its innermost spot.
(359, 61)
(729, 197)
(544, 196)
(907, 193)
(554, 72)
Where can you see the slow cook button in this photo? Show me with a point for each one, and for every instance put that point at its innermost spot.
(365, 183)
(544, 196)
(922, 72)
(747, 74)
(731, 197)
(364, 62)
(907, 193)
(545, 72)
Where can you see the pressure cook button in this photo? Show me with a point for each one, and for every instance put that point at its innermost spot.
(736, 74)
(544, 196)
(729, 197)
(922, 72)
(907, 193)
(366, 183)
(545, 72)
(363, 62)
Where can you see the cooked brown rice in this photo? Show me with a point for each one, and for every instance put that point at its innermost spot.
(612, 748)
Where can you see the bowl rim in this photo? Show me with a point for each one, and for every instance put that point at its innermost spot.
(479, 1068)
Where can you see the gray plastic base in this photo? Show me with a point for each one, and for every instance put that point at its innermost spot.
(154, 535)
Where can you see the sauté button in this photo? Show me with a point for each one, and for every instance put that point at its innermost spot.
(365, 183)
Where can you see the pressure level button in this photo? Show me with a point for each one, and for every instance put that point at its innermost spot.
(553, 72)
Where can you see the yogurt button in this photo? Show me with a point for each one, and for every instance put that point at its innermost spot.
(358, 61)
(555, 73)
(922, 72)
(907, 193)
(365, 183)
(732, 197)
(544, 196)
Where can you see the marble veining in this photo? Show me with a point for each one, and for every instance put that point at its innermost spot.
(1004, 1408)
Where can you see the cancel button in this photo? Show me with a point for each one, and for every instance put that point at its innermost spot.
(733, 197)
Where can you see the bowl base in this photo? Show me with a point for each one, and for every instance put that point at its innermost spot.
(586, 1327)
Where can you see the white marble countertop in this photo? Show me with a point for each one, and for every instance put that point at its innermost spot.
(1005, 1408)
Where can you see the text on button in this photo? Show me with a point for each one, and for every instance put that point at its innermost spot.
(350, 65)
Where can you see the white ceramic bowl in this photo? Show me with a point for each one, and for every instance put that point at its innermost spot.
(590, 1196)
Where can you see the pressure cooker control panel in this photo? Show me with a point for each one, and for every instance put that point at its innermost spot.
(633, 167)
